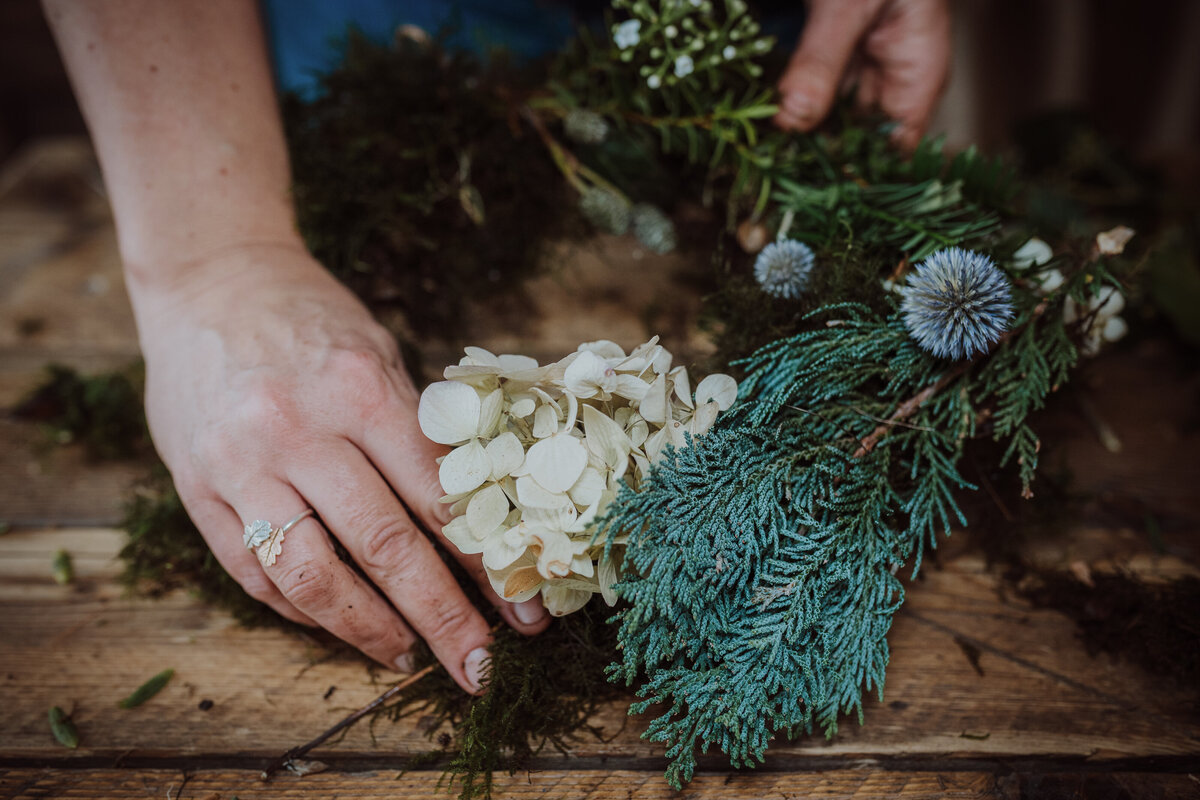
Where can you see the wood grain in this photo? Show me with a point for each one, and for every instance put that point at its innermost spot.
(1040, 697)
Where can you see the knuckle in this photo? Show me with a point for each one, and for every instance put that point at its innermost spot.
(448, 619)
(264, 410)
(387, 548)
(308, 585)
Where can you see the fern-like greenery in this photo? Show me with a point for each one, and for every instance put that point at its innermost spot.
(760, 570)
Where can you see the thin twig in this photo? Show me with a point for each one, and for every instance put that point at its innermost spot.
(907, 409)
(299, 752)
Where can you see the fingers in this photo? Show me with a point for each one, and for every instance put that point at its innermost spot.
(831, 34)
(310, 575)
(223, 532)
(407, 460)
(911, 47)
(361, 510)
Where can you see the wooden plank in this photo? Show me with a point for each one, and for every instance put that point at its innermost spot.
(861, 784)
(83, 647)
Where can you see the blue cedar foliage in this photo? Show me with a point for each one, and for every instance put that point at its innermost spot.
(760, 568)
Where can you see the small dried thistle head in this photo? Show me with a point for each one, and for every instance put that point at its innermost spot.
(956, 304)
(783, 268)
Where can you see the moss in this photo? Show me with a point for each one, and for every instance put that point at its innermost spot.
(1153, 625)
(416, 185)
(102, 411)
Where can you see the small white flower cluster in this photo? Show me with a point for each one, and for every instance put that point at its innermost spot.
(1102, 310)
(540, 452)
(679, 38)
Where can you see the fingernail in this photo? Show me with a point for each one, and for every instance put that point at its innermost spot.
(798, 105)
(404, 663)
(473, 667)
(530, 612)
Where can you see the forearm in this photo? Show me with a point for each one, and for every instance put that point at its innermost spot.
(180, 103)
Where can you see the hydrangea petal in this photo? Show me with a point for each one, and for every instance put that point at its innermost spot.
(449, 412)
(655, 407)
(489, 414)
(478, 355)
(557, 462)
(718, 387)
(458, 533)
(563, 600)
(631, 387)
(515, 363)
(683, 385)
(486, 511)
(522, 407)
(502, 551)
(506, 454)
(545, 420)
(704, 418)
(604, 348)
(588, 488)
(606, 575)
(589, 375)
(533, 495)
(465, 468)
(604, 437)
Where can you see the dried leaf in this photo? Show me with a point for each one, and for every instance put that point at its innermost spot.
(147, 689)
(63, 728)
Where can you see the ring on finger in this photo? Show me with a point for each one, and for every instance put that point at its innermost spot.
(267, 539)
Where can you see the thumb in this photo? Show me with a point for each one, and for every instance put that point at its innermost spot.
(831, 34)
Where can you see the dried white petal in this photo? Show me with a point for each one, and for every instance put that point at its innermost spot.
(589, 375)
(532, 494)
(514, 363)
(704, 418)
(506, 454)
(606, 574)
(486, 511)
(683, 386)
(449, 412)
(631, 387)
(563, 600)
(477, 355)
(718, 387)
(465, 468)
(556, 462)
(1112, 242)
(603, 348)
(545, 420)
(1033, 253)
(459, 534)
(489, 414)
(605, 438)
(588, 489)
(654, 406)
(522, 406)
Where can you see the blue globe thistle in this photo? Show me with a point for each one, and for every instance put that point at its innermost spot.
(782, 268)
(956, 303)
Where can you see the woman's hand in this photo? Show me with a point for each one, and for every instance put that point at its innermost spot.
(896, 51)
(271, 389)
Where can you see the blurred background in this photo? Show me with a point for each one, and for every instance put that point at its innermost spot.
(1131, 69)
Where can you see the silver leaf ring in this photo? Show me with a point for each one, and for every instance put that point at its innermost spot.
(269, 540)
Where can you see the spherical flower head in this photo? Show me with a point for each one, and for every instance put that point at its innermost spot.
(783, 268)
(956, 303)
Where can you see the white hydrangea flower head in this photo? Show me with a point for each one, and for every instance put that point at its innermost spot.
(540, 452)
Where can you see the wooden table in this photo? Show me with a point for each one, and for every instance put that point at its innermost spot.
(986, 695)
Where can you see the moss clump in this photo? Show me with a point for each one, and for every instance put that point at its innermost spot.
(1153, 625)
(416, 185)
(102, 411)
